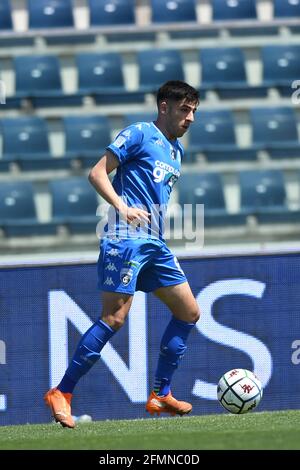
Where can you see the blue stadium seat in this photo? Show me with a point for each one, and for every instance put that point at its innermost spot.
(5, 15)
(50, 13)
(86, 138)
(286, 8)
(157, 66)
(281, 66)
(166, 11)
(101, 76)
(207, 189)
(38, 79)
(223, 69)
(275, 130)
(17, 211)
(117, 12)
(74, 204)
(213, 134)
(111, 12)
(263, 194)
(234, 9)
(25, 140)
(132, 118)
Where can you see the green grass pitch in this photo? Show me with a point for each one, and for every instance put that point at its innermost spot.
(257, 430)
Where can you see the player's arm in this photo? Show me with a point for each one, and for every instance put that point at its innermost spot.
(98, 177)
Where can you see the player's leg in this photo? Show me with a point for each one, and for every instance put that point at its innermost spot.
(115, 310)
(184, 308)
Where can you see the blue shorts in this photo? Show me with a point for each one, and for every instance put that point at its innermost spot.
(127, 265)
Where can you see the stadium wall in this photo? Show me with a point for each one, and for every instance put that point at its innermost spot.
(250, 318)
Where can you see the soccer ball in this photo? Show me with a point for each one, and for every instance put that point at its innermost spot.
(239, 391)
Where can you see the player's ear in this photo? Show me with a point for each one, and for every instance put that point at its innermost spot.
(163, 107)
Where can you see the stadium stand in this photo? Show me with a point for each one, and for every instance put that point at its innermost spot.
(74, 204)
(213, 133)
(17, 211)
(223, 70)
(86, 138)
(5, 15)
(111, 12)
(263, 194)
(78, 72)
(164, 11)
(275, 130)
(207, 189)
(281, 64)
(158, 66)
(50, 13)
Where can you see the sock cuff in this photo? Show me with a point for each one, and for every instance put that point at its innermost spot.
(104, 325)
(183, 324)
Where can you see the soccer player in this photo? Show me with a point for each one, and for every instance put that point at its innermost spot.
(133, 253)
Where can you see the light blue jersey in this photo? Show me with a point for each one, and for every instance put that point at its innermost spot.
(149, 167)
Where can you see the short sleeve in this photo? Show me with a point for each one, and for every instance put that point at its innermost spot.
(127, 144)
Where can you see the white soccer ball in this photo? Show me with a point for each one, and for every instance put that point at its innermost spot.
(239, 391)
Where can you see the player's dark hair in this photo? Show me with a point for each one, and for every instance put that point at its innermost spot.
(177, 90)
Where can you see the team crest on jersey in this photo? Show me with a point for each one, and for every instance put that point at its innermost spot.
(126, 276)
(173, 153)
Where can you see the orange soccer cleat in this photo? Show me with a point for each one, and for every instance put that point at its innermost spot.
(167, 404)
(60, 405)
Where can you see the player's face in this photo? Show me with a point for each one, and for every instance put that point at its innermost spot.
(180, 115)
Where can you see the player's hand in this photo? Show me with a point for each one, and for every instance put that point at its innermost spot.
(135, 216)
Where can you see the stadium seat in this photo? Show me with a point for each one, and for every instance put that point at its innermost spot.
(101, 76)
(17, 211)
(223, 69)
(263, 194)
(38, 79)
(5, 15)
(25, 141)
(111, 12)
(157, 66)
(207, 189)
(117, 12)
(281, 66)
(166, 11)
(275, 130)
(86, 138)
(233, 9)
(138, 117)
(213, 134)
(74, 204)
(50, 13)
(286, 8)
(234, 12)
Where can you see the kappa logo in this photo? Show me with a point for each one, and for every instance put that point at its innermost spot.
(111, 267)
(114, 252)
(109, 282)
(160, 143)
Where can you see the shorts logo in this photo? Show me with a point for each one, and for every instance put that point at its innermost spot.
(109, 282)
(111, 267)
(126, 276)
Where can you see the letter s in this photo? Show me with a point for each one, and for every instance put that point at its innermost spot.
(259, 353)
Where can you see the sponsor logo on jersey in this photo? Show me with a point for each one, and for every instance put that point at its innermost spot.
(162, 169)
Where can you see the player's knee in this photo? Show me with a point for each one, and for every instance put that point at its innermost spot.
(194, 314)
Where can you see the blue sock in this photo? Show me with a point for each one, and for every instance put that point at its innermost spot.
(86, 354)
(172, 349)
